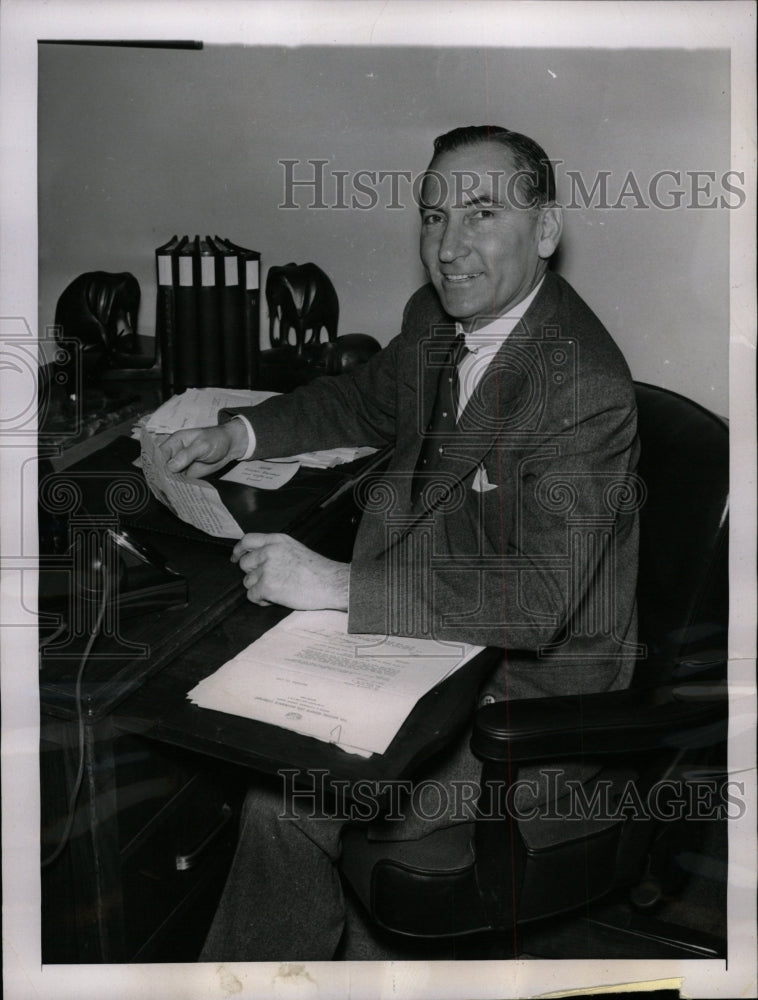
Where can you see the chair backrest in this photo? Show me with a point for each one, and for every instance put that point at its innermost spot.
(683, 574)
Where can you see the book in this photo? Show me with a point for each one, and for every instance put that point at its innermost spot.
(186, 346)
(232, 331)
(165, 310)
(207, 313)
(210, 362)
(248, 270)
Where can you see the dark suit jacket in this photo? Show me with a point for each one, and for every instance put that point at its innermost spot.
(530, 541)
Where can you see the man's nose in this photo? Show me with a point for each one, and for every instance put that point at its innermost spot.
(453, 243)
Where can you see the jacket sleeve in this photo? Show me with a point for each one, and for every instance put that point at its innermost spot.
(334, 411)
(359, 408)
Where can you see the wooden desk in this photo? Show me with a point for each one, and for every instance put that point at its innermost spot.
(161, 711)
(155, 823)
(107, 489)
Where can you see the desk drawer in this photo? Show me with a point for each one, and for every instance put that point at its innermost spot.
(194, 835)
(147, 776)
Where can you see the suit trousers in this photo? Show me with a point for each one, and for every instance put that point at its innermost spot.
(283, 899)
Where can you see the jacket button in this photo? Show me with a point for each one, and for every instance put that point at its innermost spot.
(488, 699)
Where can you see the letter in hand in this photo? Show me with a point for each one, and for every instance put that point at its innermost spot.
(280, 570)
(199, 451)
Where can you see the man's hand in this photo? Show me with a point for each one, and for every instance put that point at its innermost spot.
(201, 450)
(280, 570)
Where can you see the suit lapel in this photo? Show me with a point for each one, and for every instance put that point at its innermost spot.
(431, 358)
(432, 353)
(491, 406)
(502, 395)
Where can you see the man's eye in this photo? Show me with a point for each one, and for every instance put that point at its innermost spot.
(431, 219)
(484, 213)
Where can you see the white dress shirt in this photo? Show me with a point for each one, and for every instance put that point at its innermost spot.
(483, 344)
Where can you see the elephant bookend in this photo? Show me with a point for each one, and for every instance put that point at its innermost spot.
(89, 382)
(302, 302)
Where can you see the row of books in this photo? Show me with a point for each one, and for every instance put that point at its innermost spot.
(208, 313)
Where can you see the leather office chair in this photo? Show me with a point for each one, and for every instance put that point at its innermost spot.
(487, 876)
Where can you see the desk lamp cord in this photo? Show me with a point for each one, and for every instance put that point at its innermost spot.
(80, 720)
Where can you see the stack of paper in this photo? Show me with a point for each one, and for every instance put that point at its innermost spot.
(328, 458)
(199, 408)
(308, 675)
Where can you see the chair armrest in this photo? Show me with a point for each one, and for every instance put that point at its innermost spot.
(611, 722)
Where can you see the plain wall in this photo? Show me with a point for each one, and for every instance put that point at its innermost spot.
(138, 144)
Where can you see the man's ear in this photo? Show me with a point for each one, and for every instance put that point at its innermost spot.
(550, 229)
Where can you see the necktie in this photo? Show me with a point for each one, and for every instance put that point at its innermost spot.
(442, 423)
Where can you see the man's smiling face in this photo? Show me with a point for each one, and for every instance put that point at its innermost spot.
(483, 250)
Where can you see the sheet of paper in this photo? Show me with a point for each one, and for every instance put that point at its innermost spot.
(271, 473)
(199, 408)
(329, 457)
(308, 675)
(193, 500)
(264, 475)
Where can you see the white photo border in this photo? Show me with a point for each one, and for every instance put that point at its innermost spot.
(268, 22)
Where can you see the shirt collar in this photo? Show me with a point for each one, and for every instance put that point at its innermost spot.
(491, 337)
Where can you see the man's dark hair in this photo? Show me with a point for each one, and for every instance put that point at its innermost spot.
(537, 180)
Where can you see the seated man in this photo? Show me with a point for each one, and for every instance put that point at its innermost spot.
(501, 519)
